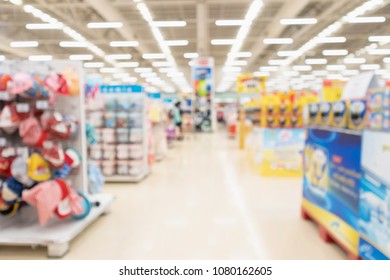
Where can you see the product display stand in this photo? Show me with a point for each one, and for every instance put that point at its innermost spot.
(23, 229)
(123, 129)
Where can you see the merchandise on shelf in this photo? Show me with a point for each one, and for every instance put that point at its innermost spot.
(378, 109)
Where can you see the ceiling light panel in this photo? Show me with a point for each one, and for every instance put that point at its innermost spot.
(287, 53)
(316, 61)
(278, 41)
(191, 55)
(24, 44)
(370, 67)
(119, 56)
(154, 56)
(44, 26)
(129, 64)
(335, 67)
(328, 40)
(40, 57)
(73, 44)
(366, 20)
(81, 57)
(93, 64)
(335, 52)
(302, 68)
(354, 60)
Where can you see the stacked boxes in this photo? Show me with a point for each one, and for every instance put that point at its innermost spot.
(378, 107)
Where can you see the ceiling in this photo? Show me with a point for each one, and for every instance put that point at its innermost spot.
(200, 17)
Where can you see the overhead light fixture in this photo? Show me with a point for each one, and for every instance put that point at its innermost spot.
(124, 44)
(370, 66)
(118, 56)
(336, 67)
(238, 63)
(94, 25)
(302, 68)
(269, 68)
(43, 26)
(287, 53)
(40, 57)
(291, 73)
(298, 21)
(366, 19)
(24, 44)
(2, 57)
(143, 70)
(350, 72)
(93, 64)
(148, 75)
(129, 79)
(232, 69)
(261, 74)
(379, 39)
(81, 57)
(167, 70)
(335, 77)
(173, 23)
(222, 42)
(174, 43)
(316, 61)
(386, 60)
(229, 22)
(320, 72)
(153, 56)
(335, 52)
(191, 55)
(354, 60)
(278, 41)
(326, 40)
(162, 64)
(379, 52)
(175, 74)
(120, 75)
(308, 77)
(240, 55)
(73, 44)
(277, 62)
(129, 64)
(109, 70)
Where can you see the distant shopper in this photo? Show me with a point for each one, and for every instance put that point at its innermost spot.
(177, 118)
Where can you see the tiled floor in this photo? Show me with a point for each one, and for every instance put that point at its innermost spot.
(202, 201)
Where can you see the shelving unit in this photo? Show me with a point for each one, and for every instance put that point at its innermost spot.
(23, 229)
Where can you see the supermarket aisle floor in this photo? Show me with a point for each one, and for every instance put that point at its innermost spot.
(202, 202)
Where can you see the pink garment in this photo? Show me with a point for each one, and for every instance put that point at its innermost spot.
(45, 197)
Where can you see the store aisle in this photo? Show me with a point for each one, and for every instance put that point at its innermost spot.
(202, 202)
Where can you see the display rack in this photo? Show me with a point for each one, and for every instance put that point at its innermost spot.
(23, 229)
(115, 154)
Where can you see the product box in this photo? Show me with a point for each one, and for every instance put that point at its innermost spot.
(339, 114)
(314, 113)
(284, 121)
(378, 100)
(325, 114)
(285, 107)
(357, 114)
(272, 121)
(296, 121)
(378, 120)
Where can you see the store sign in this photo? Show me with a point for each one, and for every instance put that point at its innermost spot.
(332, 90)
(358, 86)
(106, 89)
(248, 83)
(203, 84)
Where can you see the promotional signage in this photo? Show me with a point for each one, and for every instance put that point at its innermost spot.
(332, 90)
(248, 83)
(203, 84)
(331, 183)
(121, 89)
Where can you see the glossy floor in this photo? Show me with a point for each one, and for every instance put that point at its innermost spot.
(203, 201)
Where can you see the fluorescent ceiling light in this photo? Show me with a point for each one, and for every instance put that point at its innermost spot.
(143, 70)
(298, 21)
(148, 75)
(354, 60)
(240, 55)
(232, 69)
(261, 74)
(175, 74)
(350, 72)
(172, 23)
(24, 44)
(334, 77)
(320, 72)
(118, 56)
(128, 64)
(379, 52)
(124, 44)
(379, 38)
(288, 53)
(40, 57)
(105, 25)
(173, 43)
(269, 68)
(291, 73)
(43, 26)
(325, 40)
(93, 64)
(237, 63)
(167, 70)
(229, 22)
(129, 79)
(277, 62)
(16, 2)
(335, 52)
(308, 77)
(162, 64)
(302, 68)
(316, 61)
(386, 60)
(153, 56)
(191, 55)
(221, 42)
(73, 44)
(370, 66)
(2, 57)
(81, 57)
(120, 75)
(336, 67)
(278, 41)
(109, 70)
(365, 19)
